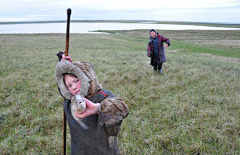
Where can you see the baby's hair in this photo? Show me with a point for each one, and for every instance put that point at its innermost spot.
(68, 74)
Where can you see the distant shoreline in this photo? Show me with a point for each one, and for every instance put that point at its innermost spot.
(131, 21)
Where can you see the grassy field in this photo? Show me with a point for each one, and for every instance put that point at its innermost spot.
(192, 108)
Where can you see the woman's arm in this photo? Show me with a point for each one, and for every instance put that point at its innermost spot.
(149, 50)
(164, 39)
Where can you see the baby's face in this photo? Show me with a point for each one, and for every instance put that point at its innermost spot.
(73, 84)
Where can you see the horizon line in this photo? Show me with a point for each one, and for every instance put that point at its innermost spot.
(132, 21)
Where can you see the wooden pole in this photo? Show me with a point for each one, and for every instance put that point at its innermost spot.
(67, 34)
(66, 54)
(64, 131)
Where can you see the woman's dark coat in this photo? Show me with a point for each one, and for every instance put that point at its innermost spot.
(161, 52)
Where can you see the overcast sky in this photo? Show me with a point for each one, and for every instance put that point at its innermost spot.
(227, 11)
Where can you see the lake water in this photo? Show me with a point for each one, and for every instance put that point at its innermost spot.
(88, 27)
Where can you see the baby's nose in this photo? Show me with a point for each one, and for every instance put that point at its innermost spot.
(74, 87)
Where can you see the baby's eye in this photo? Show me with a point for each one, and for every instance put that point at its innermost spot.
(69, 86)
(76, 81)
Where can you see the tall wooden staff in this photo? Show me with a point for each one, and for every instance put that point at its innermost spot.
(66, 54)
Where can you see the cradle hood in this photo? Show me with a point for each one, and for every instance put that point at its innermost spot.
(85, 73)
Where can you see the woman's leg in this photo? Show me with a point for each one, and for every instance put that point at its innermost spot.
(160, 68)
(155, 68)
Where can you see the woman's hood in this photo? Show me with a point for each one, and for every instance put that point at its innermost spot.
(85, 73)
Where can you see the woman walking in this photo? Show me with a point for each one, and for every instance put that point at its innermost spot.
(156, 49)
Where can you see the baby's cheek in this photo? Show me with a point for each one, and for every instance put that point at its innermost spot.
(71, 91)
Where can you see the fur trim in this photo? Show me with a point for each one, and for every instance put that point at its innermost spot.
(88, 69)
(68, 67)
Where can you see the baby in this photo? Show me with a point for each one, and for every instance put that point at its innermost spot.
(104, 112)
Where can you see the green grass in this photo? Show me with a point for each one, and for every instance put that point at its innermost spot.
(198, 48)
(192, 108)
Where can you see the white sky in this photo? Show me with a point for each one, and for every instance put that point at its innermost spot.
(227, 11)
